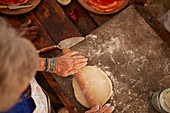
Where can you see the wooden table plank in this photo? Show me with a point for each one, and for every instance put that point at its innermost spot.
(58, 90)
(43, 39)
(85, 23)
(100, 19)
(55, 21)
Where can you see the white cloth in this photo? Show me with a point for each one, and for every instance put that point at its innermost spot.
(165, 20)
(39, 98)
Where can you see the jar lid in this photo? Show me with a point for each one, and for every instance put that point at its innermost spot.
(165, 100)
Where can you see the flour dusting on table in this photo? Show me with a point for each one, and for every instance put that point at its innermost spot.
(133, 56)
(106, 49)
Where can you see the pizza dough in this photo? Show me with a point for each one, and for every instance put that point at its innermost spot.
(99, 82)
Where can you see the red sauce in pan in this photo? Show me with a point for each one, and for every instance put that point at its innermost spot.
(104, 5)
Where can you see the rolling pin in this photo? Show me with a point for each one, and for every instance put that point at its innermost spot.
(84, 85)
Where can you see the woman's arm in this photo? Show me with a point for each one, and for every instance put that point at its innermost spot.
(65, 65)
(41, 64)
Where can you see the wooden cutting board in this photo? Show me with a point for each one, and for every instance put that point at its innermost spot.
(34, 3)
(133, 56)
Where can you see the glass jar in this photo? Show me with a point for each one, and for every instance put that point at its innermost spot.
(161, 100)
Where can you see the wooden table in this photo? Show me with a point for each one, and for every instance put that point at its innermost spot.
(55, 26)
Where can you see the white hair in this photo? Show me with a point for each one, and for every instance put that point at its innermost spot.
(18, 64)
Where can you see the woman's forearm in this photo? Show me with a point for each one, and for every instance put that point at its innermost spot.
(41, 64)
(65, 65)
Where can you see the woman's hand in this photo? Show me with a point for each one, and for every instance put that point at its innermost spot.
(28, 32)
(105, 109)
(69, 64)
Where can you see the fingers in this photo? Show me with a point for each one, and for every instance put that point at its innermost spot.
(110, 110)
(30, 37)
(104, 108)
(71, 72)
(96, 108)
(80, 60)
(93, 110)
(72, 53)
(78, 57)
(30, 32)
(69, 64)
(80, 65)
(26, 24)
(31, 29)
(34, 33)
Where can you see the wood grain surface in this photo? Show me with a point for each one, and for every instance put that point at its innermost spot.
(55, 26)
(85, 23)
(53, 18)
(34, 3)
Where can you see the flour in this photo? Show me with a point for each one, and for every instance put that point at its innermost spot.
(130, 53)
(104, 50)
(84, 92)
(111, 45)
(108, 73)
(107, 47)
(167, 68)
(125, 65)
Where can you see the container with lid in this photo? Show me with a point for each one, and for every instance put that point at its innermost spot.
(161, 100)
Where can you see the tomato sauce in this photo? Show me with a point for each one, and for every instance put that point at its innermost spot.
(104, 5)
(12, 2)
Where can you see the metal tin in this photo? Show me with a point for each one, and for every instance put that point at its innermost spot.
(159, 100)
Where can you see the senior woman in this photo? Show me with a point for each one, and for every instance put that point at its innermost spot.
(19, 61)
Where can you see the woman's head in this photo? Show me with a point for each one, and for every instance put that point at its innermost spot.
(18, 64)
